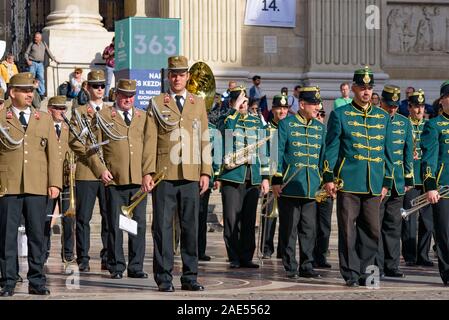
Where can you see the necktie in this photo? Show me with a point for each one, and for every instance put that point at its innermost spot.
(127, 120)
(178, 102)
(97, 108)
(58, 130)
(23, 120)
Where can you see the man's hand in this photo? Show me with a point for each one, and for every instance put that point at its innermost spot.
(53, 192)
(106, 177)
(331, 189)
(241, 105)
(29, 63)
(265, 187)
(147, 183)
(433, 196)
(204, 183)
(408, 188)
(277, 190)
(217, 185)
(383, 193)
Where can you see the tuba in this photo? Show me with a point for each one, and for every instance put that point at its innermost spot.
(202, 83)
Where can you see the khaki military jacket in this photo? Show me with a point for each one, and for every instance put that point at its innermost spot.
(63, 146)
(83, 172)
(177, 141)
(123, 158)
(34, 166)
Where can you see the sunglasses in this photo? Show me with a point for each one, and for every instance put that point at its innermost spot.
(98, 86)
(58, 108)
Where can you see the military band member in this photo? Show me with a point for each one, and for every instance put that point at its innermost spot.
(88, 186)
(300, 153)
(121, 173)
(435, 148)
(240, 186)
(30, 171)
(280, 111)
(56, 107)
(176, 143)
(358, 151)
(417, 253)
(390, 216)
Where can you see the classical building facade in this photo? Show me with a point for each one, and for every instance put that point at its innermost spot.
(406, 42)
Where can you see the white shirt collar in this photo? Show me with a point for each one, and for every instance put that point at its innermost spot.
(27, 113)
(120, 112)
(94, 106)
(184, 95)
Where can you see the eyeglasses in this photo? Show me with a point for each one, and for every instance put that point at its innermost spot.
(98, 86)
(58, 108)
(322, 115)
(77, 72)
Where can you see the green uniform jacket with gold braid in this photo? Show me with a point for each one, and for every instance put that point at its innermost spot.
(359, 149)
(272, 129)
(244, 130)
(300, 147)
(402, 139)
(417, 127)
(435, 152)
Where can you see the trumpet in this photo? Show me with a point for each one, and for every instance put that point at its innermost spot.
(421, 201)
(140, 195)
(321, 195)
(69, 180)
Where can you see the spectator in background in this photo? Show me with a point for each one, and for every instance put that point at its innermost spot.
(76, 81)
(108, 56)
(293, 102)
(403, 107)
(8, 68)
(284, 91)
(375, 100)
(225, 96)
(83, 95)
(344, 99)
(35, 57)
(256, 92)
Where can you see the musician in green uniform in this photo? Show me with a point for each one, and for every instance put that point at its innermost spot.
(390, 217)
(358, 152)
(300, 152)
(435, 165)
(412, 252)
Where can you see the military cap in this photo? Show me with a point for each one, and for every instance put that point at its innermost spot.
(2, 95)
(363, 77)
(126, 87)
(96, 76)
(444, 90)
(178, 63)
(280, 100)
(417, 97)
(391, 95)
(235, 92)
(57, 101)
(22, 80)
(310, 95)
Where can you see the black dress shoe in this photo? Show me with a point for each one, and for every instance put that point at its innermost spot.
(266, 256)
(292, 275)
(138, 275)
(249, 264)
(117, 275)
(322, 265)
(192, 286)
(42, 291)
(352, 283)
(394, 273)
(7, 292)
(425, 263)
(234, 265)
(309, 274)
(84, 267)
(410, 263)
(204, 258)
(104, 266)
(166, 287)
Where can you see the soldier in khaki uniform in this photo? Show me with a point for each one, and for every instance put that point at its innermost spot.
(176, 137)
(88, 186)
(28, 173)
(122, 175)
(56, 107)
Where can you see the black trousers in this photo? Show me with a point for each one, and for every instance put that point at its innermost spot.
(390, 242)
(239, 218)
(33, 209)
(441, 220)
(323, 230)
(358, 233)
(170, 197)
(202, 223)
(119, 196)
(67, 227)
(86, 193)
(297, 221)
(269, 227)
(423, 221)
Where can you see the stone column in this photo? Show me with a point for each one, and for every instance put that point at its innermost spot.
(135, 8)
(74, 15)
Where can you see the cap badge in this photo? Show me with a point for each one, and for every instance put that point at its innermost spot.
(283, 101)
(317, 95)
(395, 97)
(420, 98)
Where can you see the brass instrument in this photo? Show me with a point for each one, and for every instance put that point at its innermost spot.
(69, 180)
(421, 201)
(202, 83)
(321, 195)
(95, 145)
(78, 135)
(10, 143)
(140, 195)
(242, 156)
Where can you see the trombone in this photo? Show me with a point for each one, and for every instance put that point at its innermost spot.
(421, 201)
